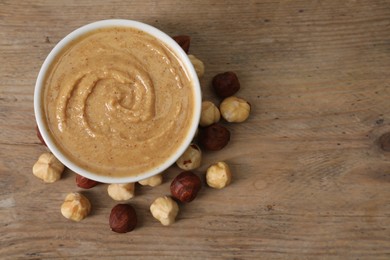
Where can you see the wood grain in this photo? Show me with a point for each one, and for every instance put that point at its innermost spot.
(310, 181)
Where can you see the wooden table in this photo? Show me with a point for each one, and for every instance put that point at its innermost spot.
(310, 180)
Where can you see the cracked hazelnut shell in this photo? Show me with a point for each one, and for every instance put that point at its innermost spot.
(214, 137)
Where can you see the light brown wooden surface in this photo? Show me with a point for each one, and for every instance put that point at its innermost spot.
(310, 181)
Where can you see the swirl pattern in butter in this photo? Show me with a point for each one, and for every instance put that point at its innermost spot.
(118, 101)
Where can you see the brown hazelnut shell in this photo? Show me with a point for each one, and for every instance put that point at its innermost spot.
(183, 41)
(214, 137)
(185, 186)
(84, 182)
(226, 84)
(123, 218)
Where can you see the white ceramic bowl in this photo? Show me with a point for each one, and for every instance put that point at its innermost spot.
(40, 115)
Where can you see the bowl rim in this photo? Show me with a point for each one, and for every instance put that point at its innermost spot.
(76, 34)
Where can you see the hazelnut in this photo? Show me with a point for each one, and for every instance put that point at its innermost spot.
(152, 181)
(218, 175)
(121, 191)
(40, 136)
(234, 109)
(84, 182)
(214, 137)
(210, 114)
(185, 186)
(226, 84)
(183, 41)
(75, 207)
(48, 168)
(123, 218)
(198, 65)
(190, 159)
(165, 210)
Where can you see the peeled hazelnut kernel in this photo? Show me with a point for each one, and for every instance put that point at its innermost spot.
(234, 109)
(165, 210)
(190, 159)
(75, 207)
(152, 181)
(123, 218)
(185, 186)
(218, 175)
(198, 65)
(183, 41)
(121, 191)
(214, 137)
(84, 182)
(226, 84)
(48, 168)
(210, 114)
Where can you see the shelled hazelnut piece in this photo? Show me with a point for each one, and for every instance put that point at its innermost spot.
(76, 207)
(210, 114)
(198, 65)
(165, 210)
(218, 175)
(234, 109)
(190, 159)
(152, 181)
(48, 168)
(121, 192)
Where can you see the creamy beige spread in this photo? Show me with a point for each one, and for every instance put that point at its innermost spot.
(118, 101)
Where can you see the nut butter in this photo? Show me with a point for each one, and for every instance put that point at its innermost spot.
(118, 101)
